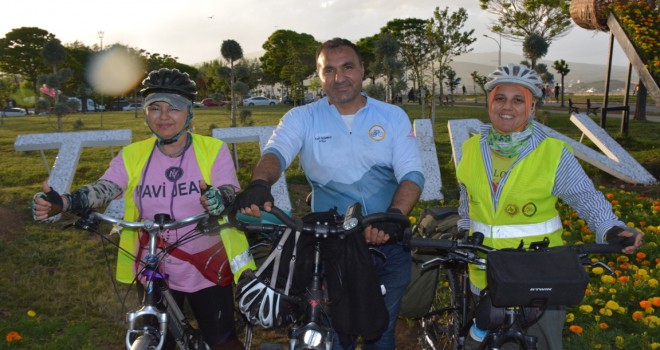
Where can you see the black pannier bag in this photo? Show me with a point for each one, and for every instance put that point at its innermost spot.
(536, 278)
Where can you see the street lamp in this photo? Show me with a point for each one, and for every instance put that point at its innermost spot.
(499, 46)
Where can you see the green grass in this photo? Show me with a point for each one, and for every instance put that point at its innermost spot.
(64, 274)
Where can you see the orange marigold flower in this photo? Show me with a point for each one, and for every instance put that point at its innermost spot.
(13, 336)
(575, 329)
(624, 279)
(609, 196)
(637, 315)
(655, 301)
(603, 325)
(641, 255)
(645, 304)
(615, 202)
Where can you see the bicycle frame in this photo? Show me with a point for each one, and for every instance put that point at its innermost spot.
(315, 332)
(159, 312)
(510, 328)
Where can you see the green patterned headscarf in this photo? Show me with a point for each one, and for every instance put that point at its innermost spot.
(509, 145)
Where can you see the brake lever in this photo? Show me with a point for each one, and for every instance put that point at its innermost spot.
(603, 265)
(210, 225)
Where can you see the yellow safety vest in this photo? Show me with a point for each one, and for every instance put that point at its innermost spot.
(526, 209)
(135, 157)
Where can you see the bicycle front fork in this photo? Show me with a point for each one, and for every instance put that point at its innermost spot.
(135, 321)
(313, 335)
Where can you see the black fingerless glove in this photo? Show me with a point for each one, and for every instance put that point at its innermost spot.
(257, 193)
(394, 230)
(55, 200)
(612, 236)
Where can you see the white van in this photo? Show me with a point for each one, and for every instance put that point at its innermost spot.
(91, 106)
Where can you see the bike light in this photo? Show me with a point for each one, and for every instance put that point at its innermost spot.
(312, 338)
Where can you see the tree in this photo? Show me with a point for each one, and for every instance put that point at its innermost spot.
(452, 81)
(534, 47)
(231, 51)
(447, 40)
(414, 44)
(54, 54)
(20, 53)
(519, 18)
(562, 68)
(290, 58)
(480, 81)
(367, 47)
(388, 63)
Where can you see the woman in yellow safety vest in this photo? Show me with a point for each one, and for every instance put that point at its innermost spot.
(179, 173)
(511, 175)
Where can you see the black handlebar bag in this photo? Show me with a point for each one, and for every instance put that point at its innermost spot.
(536, 278)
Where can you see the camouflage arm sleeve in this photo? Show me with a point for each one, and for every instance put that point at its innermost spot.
(94, 195)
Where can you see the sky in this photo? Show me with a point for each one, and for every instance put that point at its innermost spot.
(194, 30)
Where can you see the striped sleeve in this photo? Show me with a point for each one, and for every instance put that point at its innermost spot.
(573, 186)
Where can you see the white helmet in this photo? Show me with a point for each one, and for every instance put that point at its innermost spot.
(516, 74)
(263, 305)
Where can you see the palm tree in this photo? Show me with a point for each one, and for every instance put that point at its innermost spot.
(562, 68)
(232, 51)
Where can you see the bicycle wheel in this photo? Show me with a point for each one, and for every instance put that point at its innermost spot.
(443, 327)
(145, 342)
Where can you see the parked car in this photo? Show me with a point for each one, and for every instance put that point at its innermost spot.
(198, 105)
(118, 104)
(13, 112)
(259, 101)
(132, 107)
(209, 102)
(90, 105)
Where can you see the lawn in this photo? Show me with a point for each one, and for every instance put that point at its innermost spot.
(57, 291)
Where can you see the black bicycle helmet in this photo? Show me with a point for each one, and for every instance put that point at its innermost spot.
(170, 81)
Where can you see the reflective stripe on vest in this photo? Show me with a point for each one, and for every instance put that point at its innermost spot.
(517, 231)
(526, 208)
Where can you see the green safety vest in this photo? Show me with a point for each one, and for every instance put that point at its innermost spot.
(526, 209)
(135, 157)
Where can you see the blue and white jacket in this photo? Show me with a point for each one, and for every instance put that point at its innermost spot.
(365, 164)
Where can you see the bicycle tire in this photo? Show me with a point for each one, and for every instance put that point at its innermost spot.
(145, 342)
(442, 327)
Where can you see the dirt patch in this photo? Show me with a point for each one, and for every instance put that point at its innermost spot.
(12, 222)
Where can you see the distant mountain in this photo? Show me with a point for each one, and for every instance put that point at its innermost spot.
(582, 76)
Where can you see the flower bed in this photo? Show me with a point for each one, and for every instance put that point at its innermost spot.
(619, 311)
(642, 25)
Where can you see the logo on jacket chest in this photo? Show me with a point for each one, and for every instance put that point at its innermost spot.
(377, 133)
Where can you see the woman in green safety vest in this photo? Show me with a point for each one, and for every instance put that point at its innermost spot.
(179, 173)
(511, 175)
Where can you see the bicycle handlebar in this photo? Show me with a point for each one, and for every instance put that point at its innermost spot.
(453, 245)
(160, 222)
(353, 221)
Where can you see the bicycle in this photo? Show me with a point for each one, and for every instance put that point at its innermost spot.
(148, 326)
(307, 313)
(447, 326)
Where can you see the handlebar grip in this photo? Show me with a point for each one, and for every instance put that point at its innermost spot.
(443, 244)
(282, 216)
(386, 217)
(598, 248)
